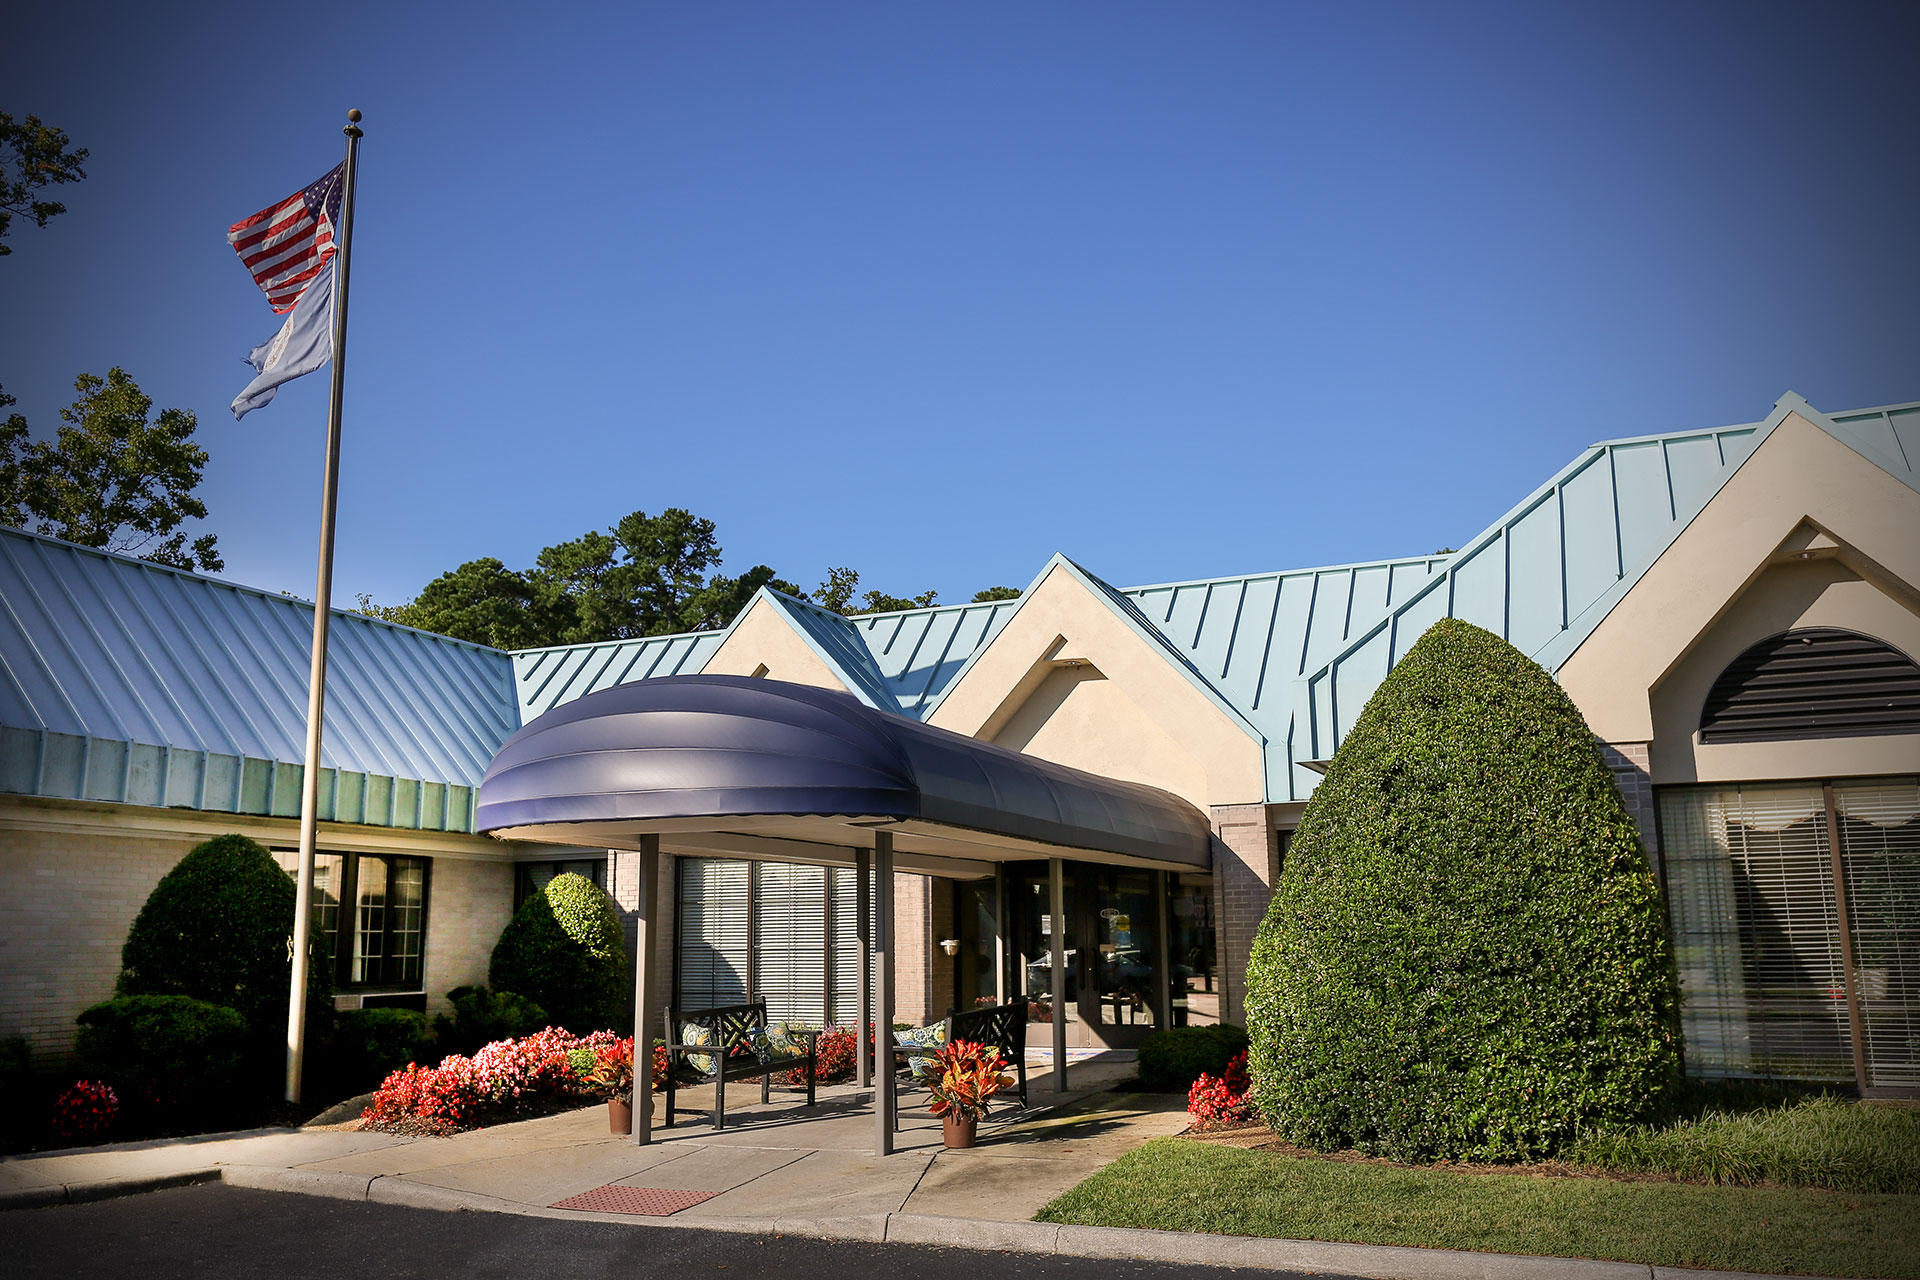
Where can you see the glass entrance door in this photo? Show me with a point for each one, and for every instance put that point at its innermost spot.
(1111, 935)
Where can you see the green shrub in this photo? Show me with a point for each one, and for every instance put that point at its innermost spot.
(217, 928)
(564, 950)
(371, 1044)
(173, 1060)
(1465, 955)
(1171, 1060)
(481, 1016)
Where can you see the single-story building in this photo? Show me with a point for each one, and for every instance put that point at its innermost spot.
(1735, 610)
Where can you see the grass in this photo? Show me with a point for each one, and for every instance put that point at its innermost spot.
(1813, 1142)
(1180, 1184)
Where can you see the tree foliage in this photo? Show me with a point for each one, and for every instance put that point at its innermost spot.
(33, 155)
(837, 594)
(115, 477)
(1465, 955)
(990, 594)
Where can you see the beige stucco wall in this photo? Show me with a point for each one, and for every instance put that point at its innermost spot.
(765, 644)
(1799, 476)
(1823, 592)
(73, 875)
(1068, 681)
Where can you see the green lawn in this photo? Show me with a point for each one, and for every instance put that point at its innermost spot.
(1179, 1184)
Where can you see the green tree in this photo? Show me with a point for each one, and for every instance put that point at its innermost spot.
(990, 594)
(33, 155)
(482, 601)
(113, 477)
(1465, 955)
(837, 594)
(564, 949)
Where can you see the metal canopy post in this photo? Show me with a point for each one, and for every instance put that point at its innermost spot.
(647, 921)
(1162, 954)
(863, 930)
(1057, 961)
(883, 1090)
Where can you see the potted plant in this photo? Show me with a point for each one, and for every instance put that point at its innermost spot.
(962, 1076)
(611, 1075)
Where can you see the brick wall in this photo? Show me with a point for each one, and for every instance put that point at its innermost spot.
(913, 939)
(66, 903)
(1244, 857)
(623, 884)
(1630, 762)
(470, 901)
(940, 965)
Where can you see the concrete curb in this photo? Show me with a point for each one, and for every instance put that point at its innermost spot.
(1369, 1261)
(102, 1188)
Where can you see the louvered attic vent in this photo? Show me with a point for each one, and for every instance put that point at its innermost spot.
(1816, 683)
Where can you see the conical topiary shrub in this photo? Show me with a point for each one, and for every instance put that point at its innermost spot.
(564, 950)
(219, 928)
(1465, 955)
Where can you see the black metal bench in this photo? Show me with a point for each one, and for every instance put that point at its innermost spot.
(1003, 1026)
(731, 1053)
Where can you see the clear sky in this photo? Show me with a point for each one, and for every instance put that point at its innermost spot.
(1181, 290)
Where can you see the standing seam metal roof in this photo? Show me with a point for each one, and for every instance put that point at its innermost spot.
(135, 683)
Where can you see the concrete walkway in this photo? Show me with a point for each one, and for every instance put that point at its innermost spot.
(781, 1168)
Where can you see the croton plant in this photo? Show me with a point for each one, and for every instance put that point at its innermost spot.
(962, 1076)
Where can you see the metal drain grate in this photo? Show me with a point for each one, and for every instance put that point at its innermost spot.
(652, 1202)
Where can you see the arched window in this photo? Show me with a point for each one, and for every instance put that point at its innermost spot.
(1820, 682)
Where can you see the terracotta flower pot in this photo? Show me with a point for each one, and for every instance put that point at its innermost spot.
(619, 1116)
(958, 1130)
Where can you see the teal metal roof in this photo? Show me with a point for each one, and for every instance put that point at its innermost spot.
(1252, 637)
(1550, 570)
(129, 682)
(836, 642)
(919, 651)
(545, 678)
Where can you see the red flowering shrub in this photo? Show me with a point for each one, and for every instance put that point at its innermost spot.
(833, 1058)
(504, 1077)
(1220, 1102)
(85, 1112)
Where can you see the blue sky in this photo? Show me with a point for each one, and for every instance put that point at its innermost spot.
(1180, 290)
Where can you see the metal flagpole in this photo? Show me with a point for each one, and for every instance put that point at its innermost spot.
(322, 607)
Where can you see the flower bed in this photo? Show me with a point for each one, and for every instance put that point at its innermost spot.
(503, 1079)
(1220, 1102)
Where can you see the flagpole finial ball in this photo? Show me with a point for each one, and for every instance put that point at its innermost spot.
(353, 114)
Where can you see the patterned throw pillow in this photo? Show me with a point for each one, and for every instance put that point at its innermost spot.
(695, 1034)
(781, 1040)
(929, 1037)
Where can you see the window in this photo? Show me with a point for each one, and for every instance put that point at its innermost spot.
(530, 878)
(386, 899)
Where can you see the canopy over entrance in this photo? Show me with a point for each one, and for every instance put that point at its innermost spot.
(756, 768)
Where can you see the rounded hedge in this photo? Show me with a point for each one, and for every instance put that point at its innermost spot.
(565, 950)
(1465, 955)
(218, 927)
(1171, 1060)
(172, 1059)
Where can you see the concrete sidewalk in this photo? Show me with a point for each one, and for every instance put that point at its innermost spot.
(781, 1168)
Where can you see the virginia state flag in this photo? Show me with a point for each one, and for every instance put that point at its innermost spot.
(304, 343)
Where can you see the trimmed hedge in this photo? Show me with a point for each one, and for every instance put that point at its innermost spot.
(481, 1016)
(371, 1044)
(1171, 1060)
(1465, 956)
(217, 928)
(565, 950)
(173, 1059)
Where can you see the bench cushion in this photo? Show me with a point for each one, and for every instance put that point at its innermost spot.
(929, 1038)
(692, 1033)
(780, 1041)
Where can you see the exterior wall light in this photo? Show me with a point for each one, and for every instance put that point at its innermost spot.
(950, 945)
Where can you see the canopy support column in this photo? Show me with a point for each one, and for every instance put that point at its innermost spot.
(646, 1009)
(1162, 954)
(1057, 961)
(883, 1090)
(1000, 933)
(863, 929)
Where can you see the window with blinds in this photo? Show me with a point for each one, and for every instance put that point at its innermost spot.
(1755, 906)
(1879, 825)
(781, 932)
(1755, 932)
(714, 926)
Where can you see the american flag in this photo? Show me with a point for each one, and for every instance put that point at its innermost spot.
(286, 244)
